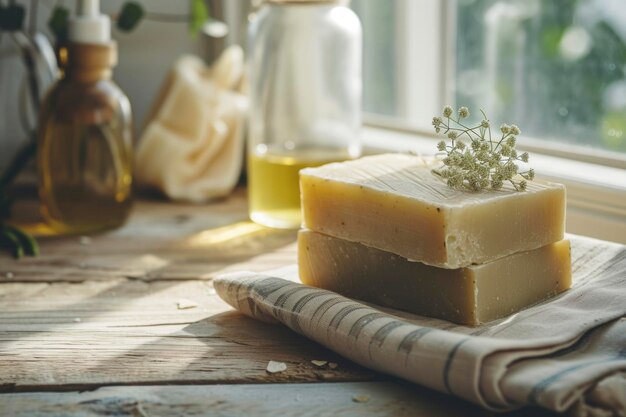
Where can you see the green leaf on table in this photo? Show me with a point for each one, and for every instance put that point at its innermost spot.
(12, 17)
(11, 242)
(199, 16)
(58, 22)
(130, 16)
(12, 238)
(28, 243)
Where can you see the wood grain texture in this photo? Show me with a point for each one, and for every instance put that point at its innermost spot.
(120, 331)
(103, 310)
(389, 398)
(161, 240)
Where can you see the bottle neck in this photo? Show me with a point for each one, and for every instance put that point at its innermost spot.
(90, 62)
(87, 76)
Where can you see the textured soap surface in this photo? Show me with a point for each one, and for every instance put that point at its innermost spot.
(472, 295)
(394, 203)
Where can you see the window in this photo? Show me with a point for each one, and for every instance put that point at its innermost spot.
(555, 68)
(402, 60)
(380, 61)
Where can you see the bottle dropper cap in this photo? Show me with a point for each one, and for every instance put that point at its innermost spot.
(89, 25)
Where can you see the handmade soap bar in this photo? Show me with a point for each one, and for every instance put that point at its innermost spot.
(471, 295)
(394, 203)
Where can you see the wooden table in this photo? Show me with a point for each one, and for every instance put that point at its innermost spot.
(127, 323)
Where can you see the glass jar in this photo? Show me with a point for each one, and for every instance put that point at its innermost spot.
(84, 147)
(305, 92)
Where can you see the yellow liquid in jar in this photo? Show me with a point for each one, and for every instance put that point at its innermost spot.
(274, 186)
(85, 178)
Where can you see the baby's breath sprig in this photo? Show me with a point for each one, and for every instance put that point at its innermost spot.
(480, 162)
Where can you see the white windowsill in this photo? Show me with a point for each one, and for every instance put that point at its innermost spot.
(596, 194)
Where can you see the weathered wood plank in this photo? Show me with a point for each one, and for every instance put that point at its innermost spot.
(148, 266)
(162, 240)
(388, 398)
(103, 310)
(121, 331)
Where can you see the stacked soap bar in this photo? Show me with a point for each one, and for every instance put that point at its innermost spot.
(384, 229)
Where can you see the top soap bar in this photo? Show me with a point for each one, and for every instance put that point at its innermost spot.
(394, 203)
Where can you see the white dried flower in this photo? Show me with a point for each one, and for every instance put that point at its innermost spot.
(511, 141)
(485, 163)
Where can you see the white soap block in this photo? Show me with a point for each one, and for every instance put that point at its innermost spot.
(394, 203)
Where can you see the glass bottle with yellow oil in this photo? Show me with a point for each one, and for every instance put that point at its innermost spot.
(305, 91)
(85, 134)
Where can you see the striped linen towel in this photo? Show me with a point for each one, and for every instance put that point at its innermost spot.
(568, 353)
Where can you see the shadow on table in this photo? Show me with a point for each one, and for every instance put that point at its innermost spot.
(247, 345)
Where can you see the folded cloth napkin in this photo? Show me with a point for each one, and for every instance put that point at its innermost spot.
(568, 353)
(192, 145)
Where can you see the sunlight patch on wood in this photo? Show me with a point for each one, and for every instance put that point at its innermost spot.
(227, 233)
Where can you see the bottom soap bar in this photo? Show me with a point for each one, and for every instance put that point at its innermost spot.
(471, 295)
